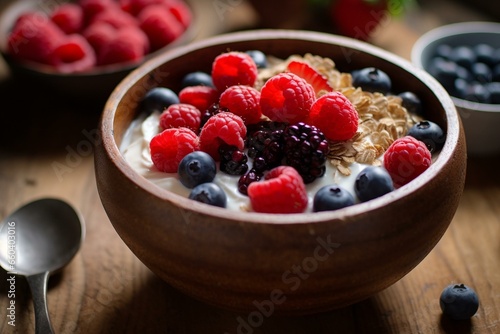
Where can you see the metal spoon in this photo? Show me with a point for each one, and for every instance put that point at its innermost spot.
(36, 240)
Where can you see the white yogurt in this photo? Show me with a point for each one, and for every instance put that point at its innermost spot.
(135, 149)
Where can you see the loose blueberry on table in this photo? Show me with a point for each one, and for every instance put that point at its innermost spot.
(274, 135)
(459, 302)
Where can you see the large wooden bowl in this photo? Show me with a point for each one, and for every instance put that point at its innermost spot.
(288, 264)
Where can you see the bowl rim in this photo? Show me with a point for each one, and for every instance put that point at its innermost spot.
(455, 29)
(113, 151)
(19, 7)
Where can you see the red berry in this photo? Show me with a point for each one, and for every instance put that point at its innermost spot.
(161, 26)
(243, 101)
(202, 97)
(307, 72)
(181, 11)
(358, 18)
(34, 37)
(128, 44)
(94, 7)
(74, 55)
(286, 97)
(233, 68)
(98, 35)
(181, 115)
(224, 127)
(134, 7)
(69, 17)
(170, 146)
(116, 18)
(282, 191)
(406, 159)
(335, 116)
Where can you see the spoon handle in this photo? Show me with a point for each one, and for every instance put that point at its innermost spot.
(38, 286)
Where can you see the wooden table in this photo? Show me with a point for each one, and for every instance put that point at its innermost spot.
(45, 150)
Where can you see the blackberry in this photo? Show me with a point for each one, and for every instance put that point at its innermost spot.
(232, 160)
(214, 109)
(265, 144)
(306, 150)
(244, 181)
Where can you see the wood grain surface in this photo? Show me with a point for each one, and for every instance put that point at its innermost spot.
(46, 150)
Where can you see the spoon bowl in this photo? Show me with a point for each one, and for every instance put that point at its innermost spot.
(36, 240)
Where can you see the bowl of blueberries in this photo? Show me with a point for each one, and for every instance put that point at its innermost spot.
(289, 178)
(465, 59)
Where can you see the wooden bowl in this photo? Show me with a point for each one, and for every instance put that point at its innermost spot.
(278, 263)
(97, 83)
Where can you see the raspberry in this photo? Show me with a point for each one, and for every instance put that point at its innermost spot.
(335, 116)
(68, 17)
(116, 18)
(99, 34)
(74, 55)
(181, 11)
(224, 127)
(34, 38)
(94, 7)
(358, 18)
(406, 159)
(134, 7)
(161, 26)
(233, 68)
(129, 44)
(181, 115)
(202, 97)
(306, 149)
(243, 101)
(307, 72)
(170, 146)
(281, 191)
(286, 97)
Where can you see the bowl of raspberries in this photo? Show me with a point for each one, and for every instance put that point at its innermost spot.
(280, 172)
(465, 59)
(85, 47)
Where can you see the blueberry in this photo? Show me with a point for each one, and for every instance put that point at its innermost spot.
(411, 102)
(430, 133)
(494, 89)
(258, 57)
(444, 51)
(332, 197)
(496, 73)
(477, 92)
(460, 88)
(158, 99)
(371, 79)
(485, 54)
(459, 302)
(446, 72)
(481, 72)
(463, 56)
(372, 182)
(196, 168)
(197, 79)
(209, 193)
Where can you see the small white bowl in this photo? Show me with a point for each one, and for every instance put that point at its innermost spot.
(481, 121)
